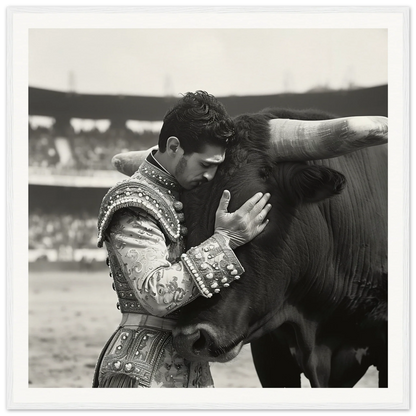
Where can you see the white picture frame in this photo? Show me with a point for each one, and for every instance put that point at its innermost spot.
(397, 18)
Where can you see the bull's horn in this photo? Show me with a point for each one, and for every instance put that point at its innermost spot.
(129, 162)
(300, 140)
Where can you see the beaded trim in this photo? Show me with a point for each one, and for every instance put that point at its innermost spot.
(212, 265)
(160, 177)
(133, 193)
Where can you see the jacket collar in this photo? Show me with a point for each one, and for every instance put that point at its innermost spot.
(160, 177)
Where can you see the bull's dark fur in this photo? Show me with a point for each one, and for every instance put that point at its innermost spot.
(296, 293)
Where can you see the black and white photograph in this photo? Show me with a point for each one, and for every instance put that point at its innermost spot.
(208, 200)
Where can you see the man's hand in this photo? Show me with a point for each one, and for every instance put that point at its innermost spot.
(247, 222)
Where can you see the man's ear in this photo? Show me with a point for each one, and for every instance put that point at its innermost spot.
(173, 146)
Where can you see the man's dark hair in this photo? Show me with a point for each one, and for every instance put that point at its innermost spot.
(196, 120)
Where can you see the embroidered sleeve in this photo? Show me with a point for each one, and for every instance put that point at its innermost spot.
(213, 265)
(162, 286)
(141, 249)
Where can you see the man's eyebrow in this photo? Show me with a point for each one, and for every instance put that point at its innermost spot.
(213, 162)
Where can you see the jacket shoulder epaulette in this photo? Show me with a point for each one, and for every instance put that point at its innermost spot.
(134, 193)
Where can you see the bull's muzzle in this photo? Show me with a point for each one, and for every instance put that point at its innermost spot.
(202, 343)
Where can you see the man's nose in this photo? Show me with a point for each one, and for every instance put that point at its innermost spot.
(209, 174)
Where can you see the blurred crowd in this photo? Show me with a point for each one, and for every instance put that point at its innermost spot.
(62, 231)
(85, 149)
(42, 150)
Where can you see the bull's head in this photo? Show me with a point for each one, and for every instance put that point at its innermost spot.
(215, 329)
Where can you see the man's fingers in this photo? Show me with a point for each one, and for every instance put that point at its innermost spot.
(249, 205)
(224, 201)
(263, 214)
(261, 227)
(259, 206)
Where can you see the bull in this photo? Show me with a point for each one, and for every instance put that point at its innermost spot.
(313, 299)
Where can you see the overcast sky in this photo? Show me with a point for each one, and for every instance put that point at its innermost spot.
(157, 62)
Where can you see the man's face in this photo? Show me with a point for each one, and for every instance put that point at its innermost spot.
(195, 169)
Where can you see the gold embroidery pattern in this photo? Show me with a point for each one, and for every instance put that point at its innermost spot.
(134, 353)
(127, 301)
(213, 265)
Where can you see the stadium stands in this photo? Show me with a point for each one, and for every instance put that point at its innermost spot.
(63, 237)
(56, 230)
(42, 150)
(83, 150)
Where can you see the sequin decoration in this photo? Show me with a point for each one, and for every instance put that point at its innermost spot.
(213, 265)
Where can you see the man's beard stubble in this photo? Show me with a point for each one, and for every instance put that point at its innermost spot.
(181, 166)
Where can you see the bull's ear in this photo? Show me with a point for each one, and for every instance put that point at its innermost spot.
(129, 162)
(315, 183)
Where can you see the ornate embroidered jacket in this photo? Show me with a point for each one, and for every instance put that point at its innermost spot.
(141, 224)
